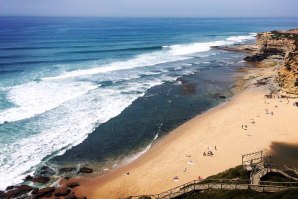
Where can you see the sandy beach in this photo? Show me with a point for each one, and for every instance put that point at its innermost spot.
(248, 122)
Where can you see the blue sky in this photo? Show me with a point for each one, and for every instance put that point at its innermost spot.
(151, 8)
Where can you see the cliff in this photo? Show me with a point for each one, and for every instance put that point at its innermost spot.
(283, 45)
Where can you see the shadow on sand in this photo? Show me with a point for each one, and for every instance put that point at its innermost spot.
(284, 154)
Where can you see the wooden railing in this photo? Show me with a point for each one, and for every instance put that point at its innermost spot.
(261, 170)
(219, 184)
(259, 167)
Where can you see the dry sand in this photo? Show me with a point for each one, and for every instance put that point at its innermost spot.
(153, 172)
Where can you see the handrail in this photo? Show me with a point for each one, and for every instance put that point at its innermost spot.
(277, 168)
(279, 183)
(229, 184)
(196, 185)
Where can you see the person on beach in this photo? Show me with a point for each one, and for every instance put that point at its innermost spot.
(127, 174)
(244, 127)
(190, 162)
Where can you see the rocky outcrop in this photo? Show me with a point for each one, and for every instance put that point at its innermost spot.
(16, 191)
(64, 190)
(61, 191)
(73, 184)
(283, 45)
(37, 179)
(67, 169)
(45, 192)
(85, 170)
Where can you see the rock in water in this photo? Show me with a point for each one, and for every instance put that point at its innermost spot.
(9, 188)
(45, 192)
(38, 179)
(85, 170)
(2, 194)
(12, 193)
(28, 178)
(23, 189)
(46, 171)
(67, 169)
(16, 191)
(34, 191)
(73, 184)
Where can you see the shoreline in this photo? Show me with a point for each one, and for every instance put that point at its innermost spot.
(165, 160)
(258, 116)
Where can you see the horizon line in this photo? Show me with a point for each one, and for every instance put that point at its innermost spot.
(178, 17)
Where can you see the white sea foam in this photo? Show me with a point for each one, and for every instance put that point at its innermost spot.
(168, 54)
(143, 60)
(186, 49)
(238, 39)
(34, 98)
(65, 127)
(140, 153)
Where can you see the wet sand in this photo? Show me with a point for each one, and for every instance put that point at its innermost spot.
(247, 123)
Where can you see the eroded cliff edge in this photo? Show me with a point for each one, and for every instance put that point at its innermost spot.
(281, 45)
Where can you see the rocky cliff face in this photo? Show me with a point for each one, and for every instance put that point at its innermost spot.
(283, 44)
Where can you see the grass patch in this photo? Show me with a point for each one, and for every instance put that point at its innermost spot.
(233, 173)
(280, 35)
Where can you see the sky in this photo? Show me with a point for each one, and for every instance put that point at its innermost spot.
(150, 8)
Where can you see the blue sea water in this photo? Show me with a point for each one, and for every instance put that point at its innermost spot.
(123, 82)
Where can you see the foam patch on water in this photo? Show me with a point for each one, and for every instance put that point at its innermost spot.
(140, 153)
(186, 49)
(34, 98)
(239, 39)
(149, 59)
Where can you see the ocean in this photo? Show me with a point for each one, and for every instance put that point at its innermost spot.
(100, 91)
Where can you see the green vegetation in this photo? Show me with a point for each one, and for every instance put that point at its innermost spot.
(279, 35)
(244, 194)
(240, 174)
(233, 173)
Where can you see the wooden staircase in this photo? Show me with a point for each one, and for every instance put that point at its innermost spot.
(256, 163)
(270, 168)
(220, 184)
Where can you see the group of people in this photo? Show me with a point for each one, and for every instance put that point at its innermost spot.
(209, 152)
(244, 127)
